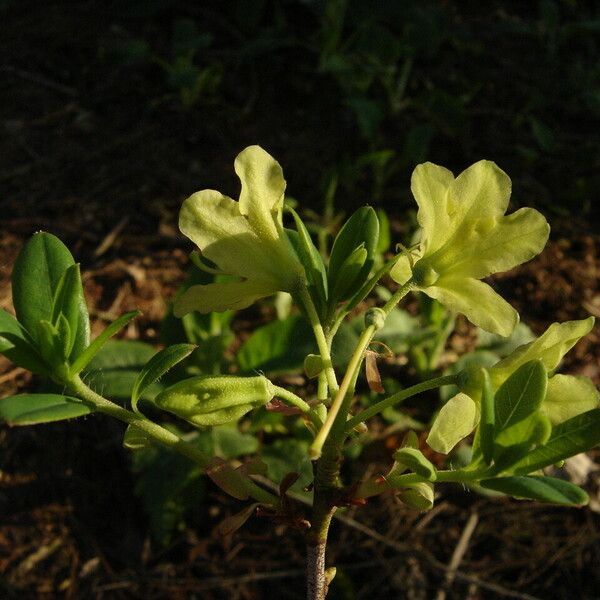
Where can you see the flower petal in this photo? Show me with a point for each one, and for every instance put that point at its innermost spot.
(477, 301)
(263, 185)
(493, 246)
(429, 185)
(214, 223)
(455, 421)
(232, 295)
(550, 347)
(569, 396)
(480, 192)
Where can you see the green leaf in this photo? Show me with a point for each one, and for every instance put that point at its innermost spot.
(348, 279)
(516, 441)
(171, 489)
(385, 235)
(520, 395)
(543, 489)
(30, 409)
(368, 286)
(50, 345)
(455, 421)
(503, 346)
(419, 496)
(94, 348)
(69, 301)
(413, 459)
(361, 229)
(488, 418)
(36, 276)
(229, 442)
(569, 396)
(157, 366)
(115, 369)
(312, 262)
(16, 345)
(567, 439)
(278, 347)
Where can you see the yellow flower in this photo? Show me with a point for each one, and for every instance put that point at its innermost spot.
(465, 237)
(245, 239)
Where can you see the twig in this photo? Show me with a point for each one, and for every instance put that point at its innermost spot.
(222, 582)
(408, 549)
(111, 236)
(458, 554)
(12, 374)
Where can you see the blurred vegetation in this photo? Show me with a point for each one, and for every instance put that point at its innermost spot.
(389, 84)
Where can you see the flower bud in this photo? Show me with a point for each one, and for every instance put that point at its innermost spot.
(375, 317)
(210, 400)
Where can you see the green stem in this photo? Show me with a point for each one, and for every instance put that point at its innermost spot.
(161, 435)
(449, 476)
(292, 399)
(321, 339)
(399, 397)
(340, 402)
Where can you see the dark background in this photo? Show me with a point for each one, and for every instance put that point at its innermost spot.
(113, 112)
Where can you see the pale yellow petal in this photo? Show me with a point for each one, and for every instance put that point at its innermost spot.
(569, 396)
(494, 245)
(263, 185)
(429, 185)
(215, 297)
(214, 223)
(477, 301)
(480, 192)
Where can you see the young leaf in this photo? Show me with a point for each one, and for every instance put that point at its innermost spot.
(225, 476)
(413, 459)
(36, 276)
(231, 524)
(543, 489)
(368, 286)
(157, 366)
(82, 361)
(50, 344)
(17, 346)
(69, 301)
(361, 229)
(30, 409)
(567, 439)
(487, 422)
(520, 395)
(64, 334)
(347, 279)
(311, 260)
(419, 496)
